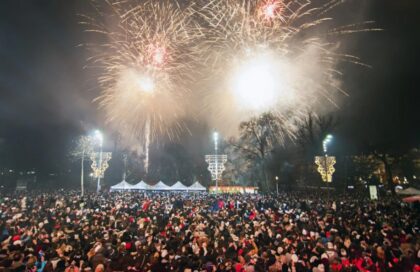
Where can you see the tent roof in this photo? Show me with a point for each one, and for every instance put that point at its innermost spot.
(197, 187)
(411, 199)
(160, 186)
(409, 191)
(122, 185)
(141, 186)
(179, 186)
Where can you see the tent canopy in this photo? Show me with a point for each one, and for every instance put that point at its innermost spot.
(196, 187)
(409, 191)
(412, 199)
(123, 185)
(141, 186)
(178, 186)
(160, 186)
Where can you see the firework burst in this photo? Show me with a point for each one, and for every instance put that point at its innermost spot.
(146, 59)
(276, 56)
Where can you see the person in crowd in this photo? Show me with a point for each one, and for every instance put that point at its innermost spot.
(129, 231)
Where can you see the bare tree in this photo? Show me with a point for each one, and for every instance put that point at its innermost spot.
(310, 133)
(388, 161)
(83, 147)
(258, 137)
(364, 166)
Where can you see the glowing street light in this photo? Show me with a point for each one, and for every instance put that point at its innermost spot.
(100, 138)
(326, 141)
(326, 163)
(216, 162)
(215, 138)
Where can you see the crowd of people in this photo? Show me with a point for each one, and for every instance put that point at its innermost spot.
(300, 231)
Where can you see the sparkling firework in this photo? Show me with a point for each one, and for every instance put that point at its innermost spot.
(277, 56)
(147, 57)
(273, 56)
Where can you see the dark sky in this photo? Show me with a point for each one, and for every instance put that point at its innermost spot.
(45, 94)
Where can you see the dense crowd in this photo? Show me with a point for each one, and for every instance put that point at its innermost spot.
(304, 231)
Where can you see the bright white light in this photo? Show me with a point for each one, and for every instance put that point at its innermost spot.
(133, 81)
(215, 136)
(255, 85)
(269, 10)
(146, 84)
(99, 136)
(326, 141)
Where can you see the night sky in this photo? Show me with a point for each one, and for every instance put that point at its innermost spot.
(46, 94)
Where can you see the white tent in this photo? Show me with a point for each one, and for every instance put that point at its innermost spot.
(178, 186)
(160, 186)
(196, 187)
(123, 185)
(409, 191)
(141, 186)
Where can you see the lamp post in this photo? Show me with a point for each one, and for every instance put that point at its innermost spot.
(216, 162)
(215, 138)
(325, 143)
(85, 147)
(82, 172)
(125, 166)
(277, 185)
(100, 138)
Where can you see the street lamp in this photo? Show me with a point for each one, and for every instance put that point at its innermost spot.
(216, 162)
(325, 143)
(100, 138)
(215, 138)
(326, 163)
(277, 184)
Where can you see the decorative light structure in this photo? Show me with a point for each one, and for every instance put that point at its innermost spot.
(325, 167)
(99, 160)
(216, 162)
(326, 163)
(99, 165)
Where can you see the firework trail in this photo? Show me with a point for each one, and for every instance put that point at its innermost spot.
(147, 146)
(146, 54)
(273, 56)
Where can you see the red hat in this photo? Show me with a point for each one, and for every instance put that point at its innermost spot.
(128, 245)
(238, 267)
(16, 238)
